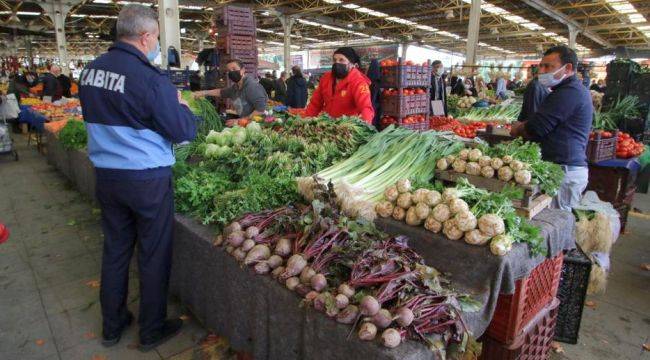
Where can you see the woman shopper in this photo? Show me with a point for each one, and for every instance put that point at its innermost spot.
(296, 89)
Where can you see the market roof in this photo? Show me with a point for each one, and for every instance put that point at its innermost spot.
(508, 28)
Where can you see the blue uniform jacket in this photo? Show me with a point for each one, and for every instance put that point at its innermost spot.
(132, 115)
(562, 123)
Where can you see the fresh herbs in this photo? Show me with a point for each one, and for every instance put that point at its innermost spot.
(73, 136)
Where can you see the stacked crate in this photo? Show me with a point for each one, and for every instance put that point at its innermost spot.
(523, 322)
(235, 39)
(408, 110)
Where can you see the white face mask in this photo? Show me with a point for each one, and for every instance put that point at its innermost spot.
(549, 80)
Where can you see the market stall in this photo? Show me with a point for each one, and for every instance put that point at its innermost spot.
(295, 330)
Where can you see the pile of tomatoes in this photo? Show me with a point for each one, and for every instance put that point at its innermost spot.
(466, 131)
(603, 135)
(405, 92)
(393, 62)
(409, 120)
(627, 148)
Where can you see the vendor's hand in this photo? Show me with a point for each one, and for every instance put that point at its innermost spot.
(517, 129)
(181, 100)
(198, 94)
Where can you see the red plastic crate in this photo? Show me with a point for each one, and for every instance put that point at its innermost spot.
(532, 293)
(236, 43)
(402, 105)
(533, 344)
(401, 76)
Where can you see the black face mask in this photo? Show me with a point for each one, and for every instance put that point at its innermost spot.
(235, 75)
(340, 71)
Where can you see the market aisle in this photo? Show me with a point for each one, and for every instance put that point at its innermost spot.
(617, 323)
(49, 272)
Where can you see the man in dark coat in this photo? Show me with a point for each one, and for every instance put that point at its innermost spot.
(296, 89)
(281, 88)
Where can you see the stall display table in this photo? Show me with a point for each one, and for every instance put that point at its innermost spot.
(614, 182)
(262, 317)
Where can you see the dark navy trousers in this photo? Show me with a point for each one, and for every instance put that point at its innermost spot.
(136, 212)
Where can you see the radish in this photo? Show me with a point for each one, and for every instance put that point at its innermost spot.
(236, 238)
(311, 295)
(331, 311)
(257, 253)
(302, 290)
(369, 306)
(342, 301)
(234, 226)
(283, 247)
(218, 240)
(274, 261)
(391, 338)
(346, 290)
(306, 274)
(252, 232)
(262, 267)
(239, 254)
(295, 264)
(382, 318)
(277, 272)
(348, 315)
(320, 303)
(230, 249)
(292, 282)
(368, 331)
(247, 244)
(318, 282)
(404, 316)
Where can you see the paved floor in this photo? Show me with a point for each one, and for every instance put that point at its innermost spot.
(49, 275)
(49, 271)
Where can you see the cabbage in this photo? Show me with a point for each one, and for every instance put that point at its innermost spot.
(212, 137)
(223, 151)
(211, 150)
(223, 139)
(238, 137)
(253, 127)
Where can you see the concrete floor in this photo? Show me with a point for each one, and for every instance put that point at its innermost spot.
(49, 272)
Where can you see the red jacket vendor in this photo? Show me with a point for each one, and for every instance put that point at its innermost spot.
(343, 91)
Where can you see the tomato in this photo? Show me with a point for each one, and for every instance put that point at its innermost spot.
(420, 91)
(242, 122)
(409, 62)
(607, 134)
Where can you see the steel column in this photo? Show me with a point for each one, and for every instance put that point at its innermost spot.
(472, 31)
(170, 29)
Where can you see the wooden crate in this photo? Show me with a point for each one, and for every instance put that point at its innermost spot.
(529, 206)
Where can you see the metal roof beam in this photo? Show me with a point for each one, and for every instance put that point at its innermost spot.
(548, 10)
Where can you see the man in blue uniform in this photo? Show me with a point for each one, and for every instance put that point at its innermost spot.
(562, 123)
(133, 114)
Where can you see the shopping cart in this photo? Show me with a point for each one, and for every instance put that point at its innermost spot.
(6, 142)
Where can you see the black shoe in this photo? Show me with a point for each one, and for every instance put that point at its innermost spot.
(169, 330)
(110, 340)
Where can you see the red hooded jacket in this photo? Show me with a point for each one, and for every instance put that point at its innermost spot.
(351, 97)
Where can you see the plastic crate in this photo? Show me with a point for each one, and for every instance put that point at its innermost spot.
(532, 293)
(241, 28)
(572, 293)
(601, 149)
(534, 343)
(233, 13)
(403, 105)
(424, 126)
(232, 43)
(401, 76)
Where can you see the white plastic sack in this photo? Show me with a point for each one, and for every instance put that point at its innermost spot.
(590, 201)
(9, 108)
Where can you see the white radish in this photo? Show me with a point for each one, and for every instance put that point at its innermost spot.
(346, 290)
(292, 282)
(404, 316)
(391, 338)
(369, 306)
(318, 282)
(257, 253)
(248, 244)
(368, 331)
(274, 261)
(283, 247)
